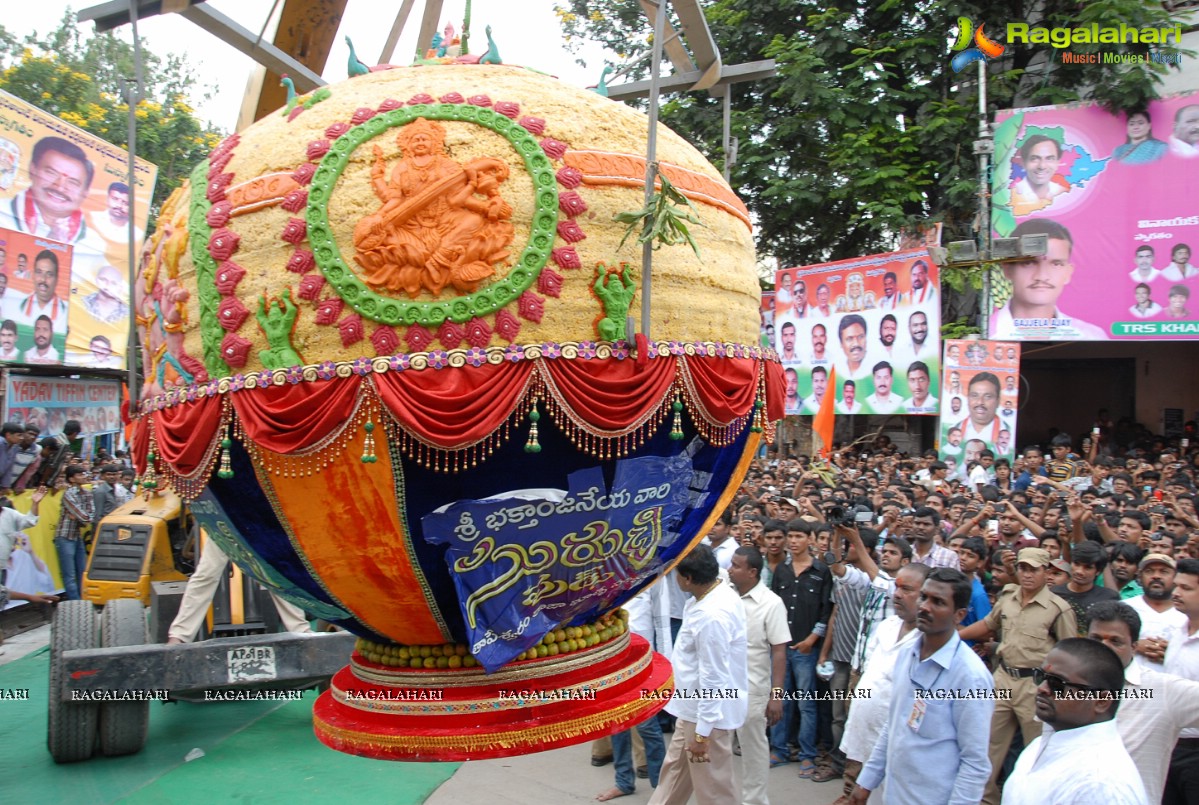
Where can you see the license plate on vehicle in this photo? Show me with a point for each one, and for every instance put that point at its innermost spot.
(251, 664)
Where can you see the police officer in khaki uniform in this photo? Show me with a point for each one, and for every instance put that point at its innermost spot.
(1029, 620)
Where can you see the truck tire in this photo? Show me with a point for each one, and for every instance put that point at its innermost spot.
(71, 734)
(123, 725)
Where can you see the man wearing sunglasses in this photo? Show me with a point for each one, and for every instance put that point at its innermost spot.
(941, 708)
(1082, 760)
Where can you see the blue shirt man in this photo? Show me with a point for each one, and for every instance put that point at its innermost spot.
(940, 714)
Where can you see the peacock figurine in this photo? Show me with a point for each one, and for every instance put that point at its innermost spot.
(354, 64)
(492, 56)
(292, 100)
(602, 87)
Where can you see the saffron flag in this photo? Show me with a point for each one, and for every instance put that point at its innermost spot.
(822, 424)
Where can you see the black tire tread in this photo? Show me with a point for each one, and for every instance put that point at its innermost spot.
(123, 725)
(71, 732)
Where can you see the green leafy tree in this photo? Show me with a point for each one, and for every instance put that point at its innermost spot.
(866, 132)
(81, 80)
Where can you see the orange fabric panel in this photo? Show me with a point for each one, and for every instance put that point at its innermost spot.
(345, 520)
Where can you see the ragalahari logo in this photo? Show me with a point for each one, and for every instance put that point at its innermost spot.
(984, 49)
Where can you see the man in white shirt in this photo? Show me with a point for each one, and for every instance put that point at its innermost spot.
(811, 404)
(767, 636)
(1156, 705)
(982, 401)
(8, 341)
(921, 401)
(60, 176)
(892, 298)
(1182, 659)
(791, 401)
(1180, 267)
(848, 404)
(44, 300)
(1159, 618)
(1145, 307)
(42, 351)
(851, 332)
(923, 293)
(819, 342)
(1079, 759)
(722, 544)
(922, 348)
(711, 688)
(1144, 271)
(1184, 142)
(882, 401)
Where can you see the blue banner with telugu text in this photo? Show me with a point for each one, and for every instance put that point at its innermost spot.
(526, 563)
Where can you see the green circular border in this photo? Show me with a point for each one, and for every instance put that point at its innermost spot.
(402, 313)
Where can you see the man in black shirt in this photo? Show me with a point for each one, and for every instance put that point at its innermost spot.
(806, 586)
(1087, 561)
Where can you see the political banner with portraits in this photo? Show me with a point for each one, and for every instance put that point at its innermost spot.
(766, 327)
(64, 240)
(876, 320)
(1114, 196)
(980, 400)
(47, 403)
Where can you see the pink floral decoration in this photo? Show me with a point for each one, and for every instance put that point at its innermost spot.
(507, 325)
(301, 262)
(508, 109)
(549, 282)
(235, 350)
(418, 338)
(450, 334)
(566, 257)
(317, 149)
(227, 276)
(479, 100)
(385, 340)
(297, 200)
(531, 307)
(328, 310)
(218, 214)
(295, 230)
(554, 149)
(478, 333)
(570, 231)
(310, 287)
(420, 98)
(569, 177)
(451, 97)
(389, 104)
(222, 244)
(303, 174)
(534, 125)
(335, 130)
(216, 187)
(232, 313)
(351, 329)
(361, 115)
(572, 203)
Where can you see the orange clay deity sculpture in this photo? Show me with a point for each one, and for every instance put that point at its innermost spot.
(441, 223)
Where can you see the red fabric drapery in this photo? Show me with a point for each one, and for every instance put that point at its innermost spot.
(726, 387)
(140, 445)
(185, 432)
(611, 395)
(291, 418)
(454, 407)
(459, 406)
(776, 394)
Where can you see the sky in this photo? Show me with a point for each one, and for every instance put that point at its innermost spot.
(526, 32)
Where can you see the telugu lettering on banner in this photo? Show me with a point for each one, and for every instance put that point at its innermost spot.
(527, 562)
(1113, 196)
(876, 319)
(65, 205)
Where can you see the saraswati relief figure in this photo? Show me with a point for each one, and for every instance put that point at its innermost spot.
(441, 223)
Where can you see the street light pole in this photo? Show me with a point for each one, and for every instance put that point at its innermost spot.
(984, 147)
(651, 162)
(133, 94)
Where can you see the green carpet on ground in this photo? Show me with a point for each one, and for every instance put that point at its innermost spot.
(255, 752)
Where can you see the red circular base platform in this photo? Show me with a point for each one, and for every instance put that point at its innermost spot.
(465, 714)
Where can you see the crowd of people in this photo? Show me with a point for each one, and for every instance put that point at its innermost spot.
(90, 489)
(1026, 632)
